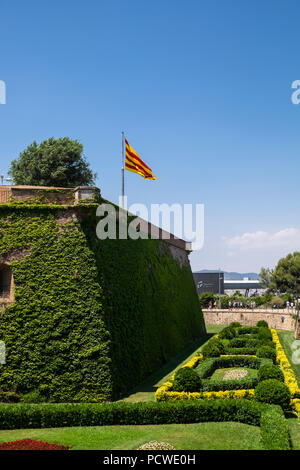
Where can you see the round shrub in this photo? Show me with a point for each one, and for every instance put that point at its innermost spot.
(186, 380)
(213, 348)
(270, 371)
(266, 351)
(273, 392)
(227, 333)
(234, 324)
(262, 323)
(264, 334)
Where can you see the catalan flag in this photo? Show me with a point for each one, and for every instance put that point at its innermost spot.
(135, 164)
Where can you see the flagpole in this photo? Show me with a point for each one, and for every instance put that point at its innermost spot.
(123, 171)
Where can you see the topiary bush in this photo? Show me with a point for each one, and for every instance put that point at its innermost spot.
(234, 324)
(213, 348)
(247, 330)
(266, 342)
(227, 333)
(273, 392)
(270, 371)
(264, 334)
(266, 351)
(262, 323)
(186, 380)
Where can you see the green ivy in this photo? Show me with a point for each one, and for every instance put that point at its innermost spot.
(91, 318)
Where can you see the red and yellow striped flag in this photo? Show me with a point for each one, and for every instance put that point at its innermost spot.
(135, 164)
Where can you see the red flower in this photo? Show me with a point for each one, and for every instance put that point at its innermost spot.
(31, 444)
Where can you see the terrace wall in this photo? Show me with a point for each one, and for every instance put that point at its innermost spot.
(284, 321)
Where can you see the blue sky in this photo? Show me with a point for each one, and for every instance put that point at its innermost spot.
(202, 90)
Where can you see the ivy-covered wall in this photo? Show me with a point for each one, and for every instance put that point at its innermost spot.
(91, 318)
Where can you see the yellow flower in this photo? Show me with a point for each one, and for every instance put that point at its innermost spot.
(282, 360)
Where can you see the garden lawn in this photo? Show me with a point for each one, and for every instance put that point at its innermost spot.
(146, 390)
(201, 436)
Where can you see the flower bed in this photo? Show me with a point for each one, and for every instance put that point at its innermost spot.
(282, 360)
(31, 444)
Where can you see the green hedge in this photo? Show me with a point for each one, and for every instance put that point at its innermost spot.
(21, 416)
(245, 383)
(246, 330)
(274, 429)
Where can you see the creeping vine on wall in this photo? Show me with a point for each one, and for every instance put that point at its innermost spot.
(91, 318)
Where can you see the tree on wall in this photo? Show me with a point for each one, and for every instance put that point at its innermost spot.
(53, 162)
(285, 277)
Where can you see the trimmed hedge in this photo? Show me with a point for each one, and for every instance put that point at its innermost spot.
(266, 351)
(227, 333)
(274, 430)
(243, 342)
(246, 383)
(21, 416)
(262, 323)
(273, 392)
(186, 380)
(214, 348)
(238, 351)
(270, 372)
(247, 330)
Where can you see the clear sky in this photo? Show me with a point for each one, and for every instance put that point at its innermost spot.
(202, 90)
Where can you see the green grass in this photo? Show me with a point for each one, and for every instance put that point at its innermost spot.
(286, 338)
(219, 373)
(145, 391)
(294, 428)
(202, 436)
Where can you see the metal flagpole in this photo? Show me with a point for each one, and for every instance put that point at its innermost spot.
(123, 171)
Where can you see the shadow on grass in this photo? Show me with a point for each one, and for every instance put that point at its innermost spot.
(150, 385)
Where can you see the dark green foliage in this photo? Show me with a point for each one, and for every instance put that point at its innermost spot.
(246, 350)
(33, 397)
(285, 276)
(186, 380)
(91, 318)
(270, 372)
(213, 348)
(227, 333)
(246, 330)
(55, 338)
(264, 334)
(266, 351)
(9, 397)
(22, 416)
(54, 162)
(152, 313)
(274, 429)
(234, 324)
(273, 392)
(262, 323)
(205, 298)
(266, 342)
(243, 342)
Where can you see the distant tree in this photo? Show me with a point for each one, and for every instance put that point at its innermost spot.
(205, 298)
(278, 301)
(285, 277)
(54, 162)
(266, 279)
